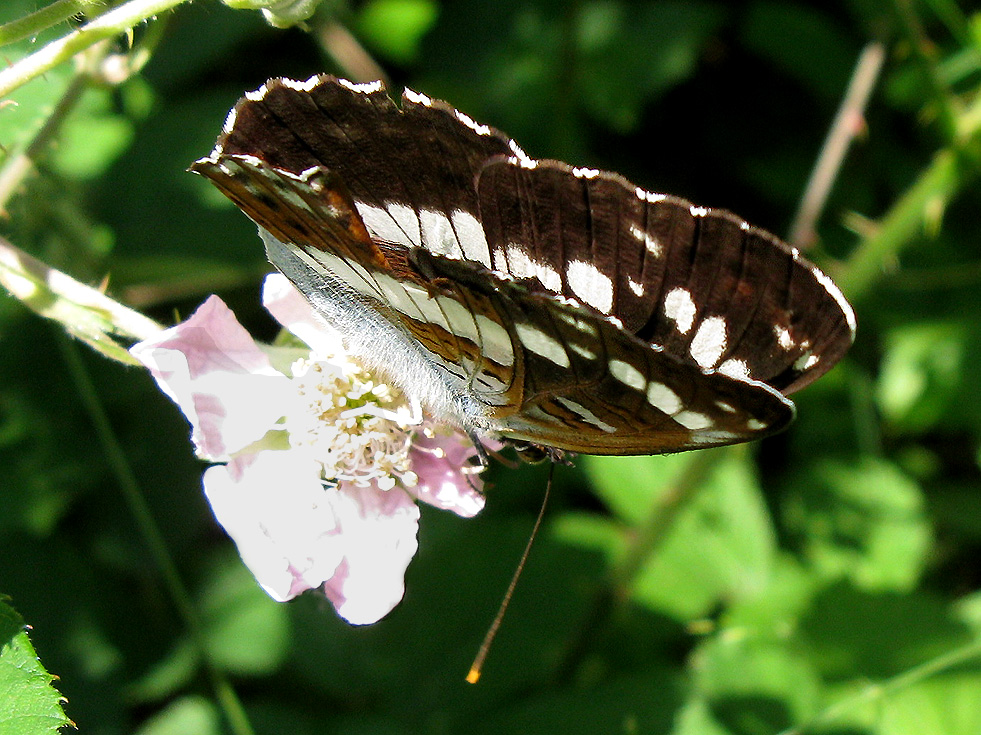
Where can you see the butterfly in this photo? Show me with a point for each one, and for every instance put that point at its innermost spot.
(519, 299)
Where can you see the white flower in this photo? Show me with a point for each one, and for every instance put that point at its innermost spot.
(322, 463)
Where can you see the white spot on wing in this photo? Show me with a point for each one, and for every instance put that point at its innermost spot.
(583, 325)
(679, 308)
(663, 398)
(229, 123)
(437, 234)
(838, 296)
(542, 344)
(693, 420)
(495, 341)
(585, 414)
(698, 211)
(520, 265)
(381, 225)
(402, 297)
(470, 233)
(470, 123)
(521, 159)
(650, 244)
(649, 196)
(709, 341)
(460, 318)
(637, 289)
(585, 173)
(718, 436)
(627, 374)
(583, 351)
(806, 361)
(755, 425)
(589, 284)
(734, 368)
(257, 95)
(784, 339)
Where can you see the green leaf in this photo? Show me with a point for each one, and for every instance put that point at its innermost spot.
(247, 632)
(29, 704)
(638, 703)
(920, 374)
(633, 54)
(695, 718)
(629, 485)
(802, 42)
(755, 687)
(864, 521)
(93, 137)
(851, 634)
(719, 546)
(945, 705)
(186, 715)
(395, 27)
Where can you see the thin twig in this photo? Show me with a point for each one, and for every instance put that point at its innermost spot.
(355, 62)
(847, 123)
(83, 310)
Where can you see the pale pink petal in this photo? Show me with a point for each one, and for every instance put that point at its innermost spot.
(440, 462)
(222, 382)
(281, 517)
(379, 529)
(293, 311)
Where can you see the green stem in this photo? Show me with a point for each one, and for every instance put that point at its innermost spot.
(880, 690)
(18, 166)
(40, 20)
(110, 24)
(152, 536)
(922, 204)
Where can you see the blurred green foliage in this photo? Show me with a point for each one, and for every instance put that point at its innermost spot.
(824, 581)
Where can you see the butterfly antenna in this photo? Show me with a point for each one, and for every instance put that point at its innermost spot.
(476, 668)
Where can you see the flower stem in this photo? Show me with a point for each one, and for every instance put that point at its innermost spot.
(152, 536)
(84, 311)
(108, 25)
